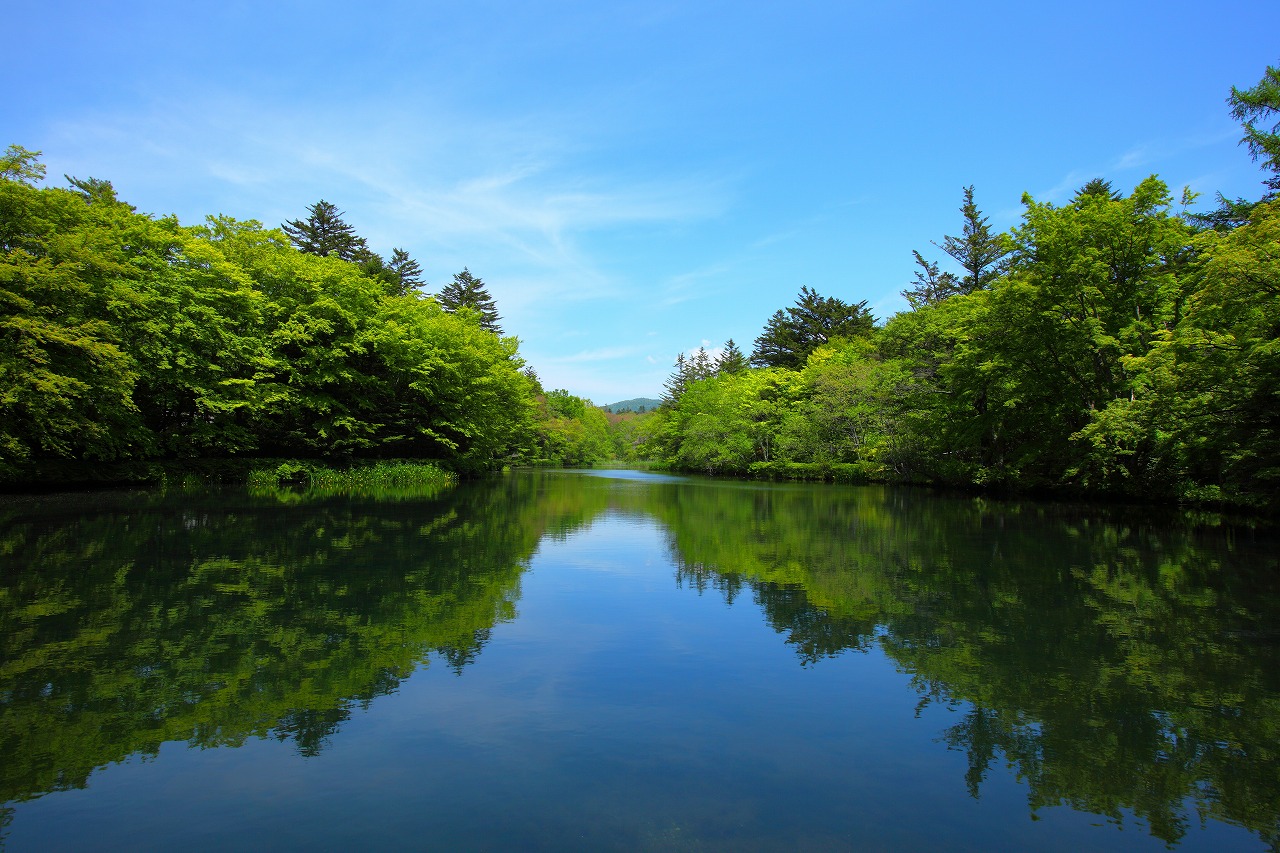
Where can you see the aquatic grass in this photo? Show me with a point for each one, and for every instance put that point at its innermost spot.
(291, 481)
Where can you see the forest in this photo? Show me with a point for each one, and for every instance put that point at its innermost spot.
(1116, 345)
(126, 338)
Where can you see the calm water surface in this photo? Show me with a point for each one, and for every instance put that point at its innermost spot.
(618, 660)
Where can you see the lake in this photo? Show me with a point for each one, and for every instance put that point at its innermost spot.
(618, 660)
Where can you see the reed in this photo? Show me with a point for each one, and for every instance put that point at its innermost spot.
(381, 479)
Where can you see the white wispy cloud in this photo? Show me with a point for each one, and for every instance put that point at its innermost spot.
(602, 354)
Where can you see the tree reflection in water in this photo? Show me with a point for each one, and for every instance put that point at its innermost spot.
(1118, 664)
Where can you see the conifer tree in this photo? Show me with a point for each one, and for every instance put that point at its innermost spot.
(406, 270)
(325, 233)
(981, 253)
(932, 285)
(674, 387)
(467, 291)
(731, 360)
(1258, 111)
(700, 366)
(789, 337)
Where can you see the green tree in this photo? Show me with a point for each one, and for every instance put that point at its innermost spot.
(1258, 110)
(791, 335)
(731, 359)
(931, 284)
(572, 431)
(466, 291)
(1096, 187)
(407, 271)
(675, 384)
(1094, 286)
(325, 233)
(978, 251)
(21, 165)
(1204, 418)
(66, 381)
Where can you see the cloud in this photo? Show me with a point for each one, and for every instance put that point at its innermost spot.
(1134, 158)
(603, 354)
(434, 178)
(693, 284)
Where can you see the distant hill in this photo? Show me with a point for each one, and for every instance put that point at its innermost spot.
(648, 404)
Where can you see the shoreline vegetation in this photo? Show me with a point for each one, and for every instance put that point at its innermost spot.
(1115, 347)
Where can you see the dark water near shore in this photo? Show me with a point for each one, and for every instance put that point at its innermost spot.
(618, 661)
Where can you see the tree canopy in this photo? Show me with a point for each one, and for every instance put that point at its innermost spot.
(791, 335)
(124, 337)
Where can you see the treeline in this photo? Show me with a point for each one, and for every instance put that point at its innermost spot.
(1107, 346)
(126, 337)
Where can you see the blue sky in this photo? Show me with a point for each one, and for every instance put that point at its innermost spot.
(635, 179)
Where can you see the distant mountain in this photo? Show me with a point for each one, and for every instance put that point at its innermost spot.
(647, 404)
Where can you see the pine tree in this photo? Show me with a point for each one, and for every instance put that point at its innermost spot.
(1260, 105)
(325, 233)
(674, 387)
(731, 360)
(467, 291)
(789, 337)
(1095, 188)
(700, 366)
(406, 270)
(932, 285)
(981, 253)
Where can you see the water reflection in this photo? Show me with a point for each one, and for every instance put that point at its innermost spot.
(1116, 665)
(1120, 665)
(127, 620)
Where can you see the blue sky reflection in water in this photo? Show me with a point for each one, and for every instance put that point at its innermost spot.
(625, 703)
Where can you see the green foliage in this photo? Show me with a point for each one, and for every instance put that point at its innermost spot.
(124, 337)
(21, 165)
(379, 480)
(1258, 110)
(791, 335)
(467, 293)
(407, 272)
(931, 284)
(570, 432)
(325, 233)
(1120, 353)
(731, 359)
(978, 251)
